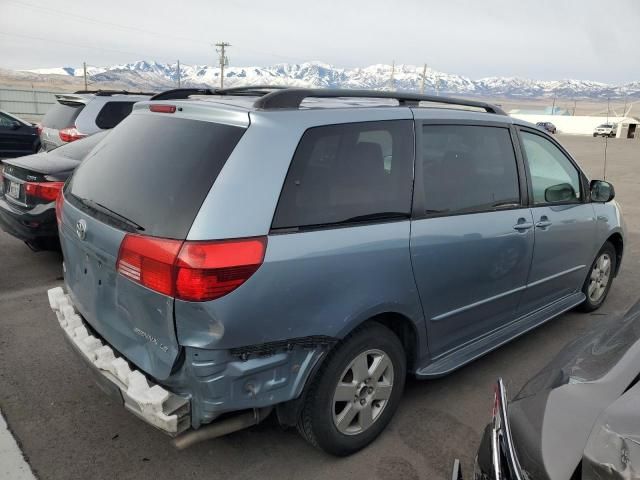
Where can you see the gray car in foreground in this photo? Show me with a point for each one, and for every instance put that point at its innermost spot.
(233, 252)
(576, 419)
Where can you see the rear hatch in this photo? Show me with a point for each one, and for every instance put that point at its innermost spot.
(60, 117)
(146, 181)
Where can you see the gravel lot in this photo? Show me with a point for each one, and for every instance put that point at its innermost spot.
(69, 430)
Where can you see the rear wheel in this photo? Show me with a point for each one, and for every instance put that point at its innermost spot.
(356, 391)
(598, 282)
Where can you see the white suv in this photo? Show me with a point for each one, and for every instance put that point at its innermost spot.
(605, 130)
(80, 114)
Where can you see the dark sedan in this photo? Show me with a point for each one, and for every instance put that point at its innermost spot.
(29, 187)
(576, 419)
(547, 126)
(17, 137)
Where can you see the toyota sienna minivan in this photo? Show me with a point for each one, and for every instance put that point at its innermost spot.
(232, 254)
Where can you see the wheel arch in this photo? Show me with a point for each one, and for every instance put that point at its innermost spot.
(618, 243)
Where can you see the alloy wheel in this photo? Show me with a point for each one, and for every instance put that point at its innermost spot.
(362, 392)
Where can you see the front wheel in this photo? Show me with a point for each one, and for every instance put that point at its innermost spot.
(356, 391)
(596, 286)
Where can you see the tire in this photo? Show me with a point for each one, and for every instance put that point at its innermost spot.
(376, 399)
(596, 294)
(595, 135)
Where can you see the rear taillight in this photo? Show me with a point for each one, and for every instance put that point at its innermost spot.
(191, 271)
(47, 191)
(209, 270)
(59, 202)
(39, 128)
(71, 134)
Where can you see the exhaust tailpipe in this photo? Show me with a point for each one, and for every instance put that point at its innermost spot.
(221, 428)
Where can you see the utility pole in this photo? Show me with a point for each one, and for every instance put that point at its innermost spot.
(84, 66)
(391, 79)
(553, 108)
(223, 60)
(574, 106)
(424, 74)
(179, 74)
(624, 110)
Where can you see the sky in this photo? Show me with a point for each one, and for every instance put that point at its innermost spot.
(539, 39)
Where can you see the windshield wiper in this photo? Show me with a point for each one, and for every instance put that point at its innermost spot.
(109, 213)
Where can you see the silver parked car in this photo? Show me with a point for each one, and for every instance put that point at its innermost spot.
(78, 115)
(231, 252)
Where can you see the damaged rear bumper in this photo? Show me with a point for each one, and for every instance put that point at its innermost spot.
(152, 403)
(204, 385)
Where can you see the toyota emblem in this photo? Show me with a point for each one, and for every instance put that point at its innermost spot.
(81, 229)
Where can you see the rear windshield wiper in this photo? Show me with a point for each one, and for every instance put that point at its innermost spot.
(108, 212)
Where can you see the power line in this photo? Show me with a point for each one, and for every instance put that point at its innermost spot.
(67, 14)
(77, 45)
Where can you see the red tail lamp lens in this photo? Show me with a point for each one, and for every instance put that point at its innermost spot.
(191, 271)
(149, 261)
(163, 108)
(210, 270)
(47, 191)
(71, 134)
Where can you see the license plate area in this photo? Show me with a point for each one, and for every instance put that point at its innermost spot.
(13, 190)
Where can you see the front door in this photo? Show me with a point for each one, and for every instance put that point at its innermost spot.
(472, 234)
(564, 223)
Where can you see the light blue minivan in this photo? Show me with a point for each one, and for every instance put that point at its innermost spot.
(231, 253)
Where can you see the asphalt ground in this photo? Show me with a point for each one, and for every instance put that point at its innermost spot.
(68, 429)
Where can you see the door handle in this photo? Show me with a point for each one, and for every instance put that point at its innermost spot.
(544, 222)
(522, 225)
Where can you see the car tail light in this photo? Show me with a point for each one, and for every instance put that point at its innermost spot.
(47, 191)
(163, 108)
(149, 261)
(59, 202)
(191, 271)
(39, 128)
(210, 270)
(71, 134)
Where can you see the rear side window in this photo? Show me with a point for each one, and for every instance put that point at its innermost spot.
(62, 115)
(155, 170)
(468, 168)
(113, 113)
(348, 173)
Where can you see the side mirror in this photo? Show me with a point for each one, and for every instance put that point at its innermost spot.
(563, 192)
(601, 191)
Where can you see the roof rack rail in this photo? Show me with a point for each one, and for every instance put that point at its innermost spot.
(108, 93)
(293, 97)
(184, 93)
(181, 93)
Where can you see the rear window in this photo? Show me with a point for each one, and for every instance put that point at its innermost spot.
(349, 173)
(155, 170)
(113, 113)
(62, 116)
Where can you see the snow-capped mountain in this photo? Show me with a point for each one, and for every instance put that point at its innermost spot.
(153, 75)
